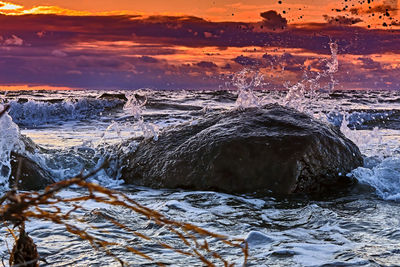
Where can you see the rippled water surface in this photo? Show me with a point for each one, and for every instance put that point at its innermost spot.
(358, 227)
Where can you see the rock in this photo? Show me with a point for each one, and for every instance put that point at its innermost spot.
(31, 175)
(273, 149)
(255, 239)
(112, 96)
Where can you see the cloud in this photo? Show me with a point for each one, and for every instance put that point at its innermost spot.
(12, 41)
(147, 59)
(58, 53)
(208, 34)
(4, 6)
(165, 51)
(273, 20)
(341, 20)
(41, 34)
(247, 61)
(181, 31)
(370, 64)
(382, 8)
(206, 64)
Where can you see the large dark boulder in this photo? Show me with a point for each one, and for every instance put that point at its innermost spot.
(274, 149)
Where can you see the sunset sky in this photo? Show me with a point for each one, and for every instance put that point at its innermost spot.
(177, 44)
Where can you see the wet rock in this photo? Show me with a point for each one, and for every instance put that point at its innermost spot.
(273, 149)
(30, 174)
(112, 96)
(255, 239)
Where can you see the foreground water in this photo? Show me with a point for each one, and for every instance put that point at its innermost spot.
(358, 227)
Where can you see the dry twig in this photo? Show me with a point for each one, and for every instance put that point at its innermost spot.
(24, 206)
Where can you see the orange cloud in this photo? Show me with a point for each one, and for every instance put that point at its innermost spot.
(7, 8)
(4, 6)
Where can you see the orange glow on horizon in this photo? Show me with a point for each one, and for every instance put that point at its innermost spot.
(26, 87)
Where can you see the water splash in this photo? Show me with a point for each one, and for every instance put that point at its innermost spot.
(246, 81)
(136, 107)
(301, 94)
(9, 141)
(384, 177)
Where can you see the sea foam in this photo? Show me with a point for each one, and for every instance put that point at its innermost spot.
(9, 141)
(37, 113)
(384, 177)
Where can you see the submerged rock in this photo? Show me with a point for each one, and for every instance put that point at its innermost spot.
(274, 149)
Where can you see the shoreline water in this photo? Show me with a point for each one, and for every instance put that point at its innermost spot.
(352, 228)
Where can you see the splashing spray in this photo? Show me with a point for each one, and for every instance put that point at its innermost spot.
(246, 80)
(303, 92)
(9, 141)
(136, 107)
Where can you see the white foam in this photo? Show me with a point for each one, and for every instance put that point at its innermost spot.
(34, 113)
(9, 141)
(384, 177)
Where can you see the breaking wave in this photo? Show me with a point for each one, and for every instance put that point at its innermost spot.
(382, 175)
(36, 113)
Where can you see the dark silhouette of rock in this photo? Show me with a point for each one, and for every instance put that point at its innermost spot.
(274, 149)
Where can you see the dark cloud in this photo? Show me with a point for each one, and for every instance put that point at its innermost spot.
(148, 59)
(168, 32)
(247, 61)
(273, 20)
(227, 67)
(206, 64)
(368, 63)
(383, 8)
(341, 20)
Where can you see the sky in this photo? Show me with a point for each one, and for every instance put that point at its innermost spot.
(177, 44)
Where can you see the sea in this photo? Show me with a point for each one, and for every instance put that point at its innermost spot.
(78, 129)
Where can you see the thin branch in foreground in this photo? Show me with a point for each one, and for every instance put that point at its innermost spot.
(21, 207)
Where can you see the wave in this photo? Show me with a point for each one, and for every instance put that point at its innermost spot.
(383, 175)
(26, 112)
(9, 141)
(367, 119)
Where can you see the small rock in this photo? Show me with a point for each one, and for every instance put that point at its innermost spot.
(255, 238)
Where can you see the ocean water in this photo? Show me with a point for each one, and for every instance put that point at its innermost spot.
(77, 129)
